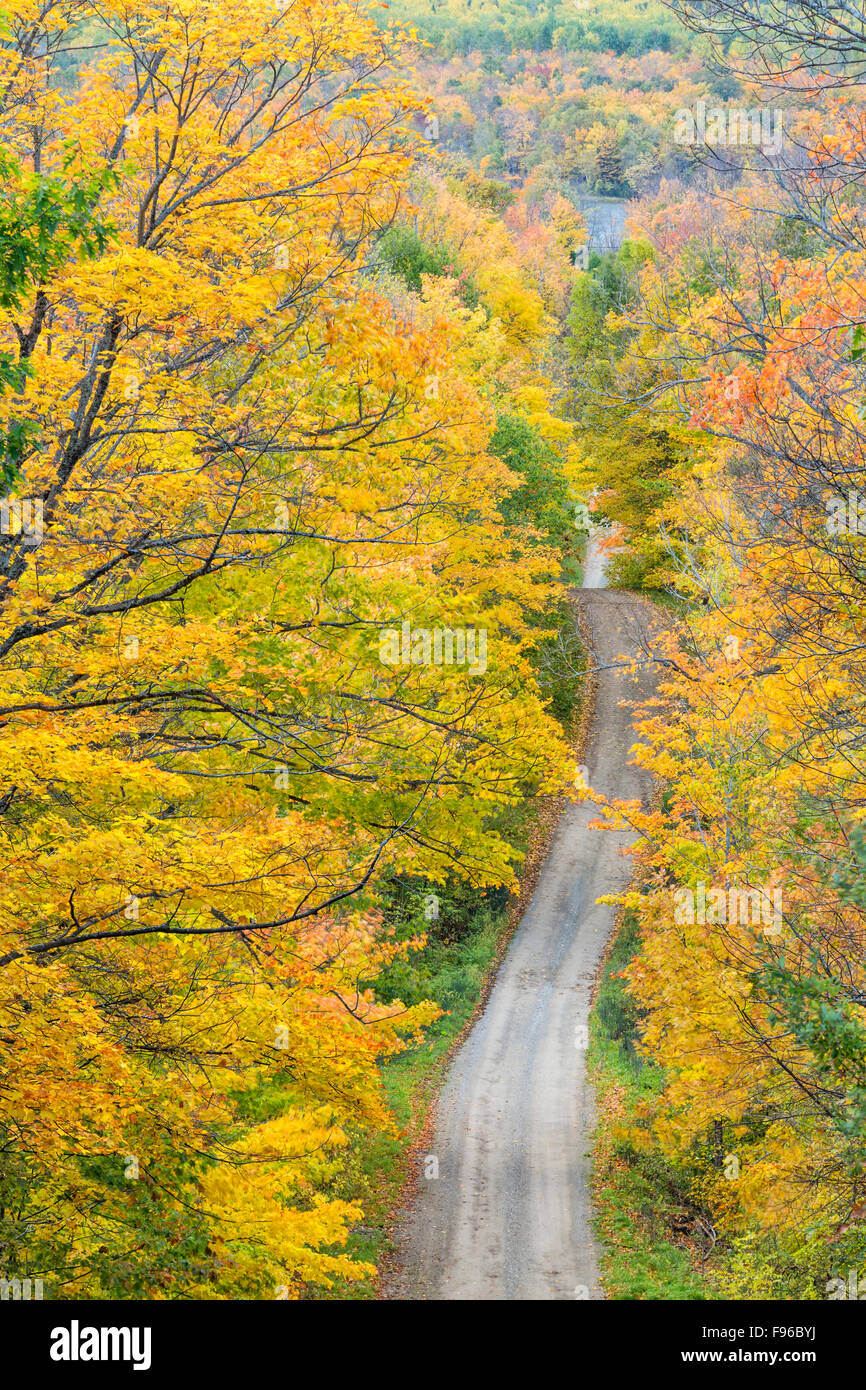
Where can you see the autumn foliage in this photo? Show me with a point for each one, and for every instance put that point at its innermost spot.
(741, 338)
(237, 450)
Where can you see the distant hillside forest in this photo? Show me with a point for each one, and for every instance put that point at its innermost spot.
(574, 97)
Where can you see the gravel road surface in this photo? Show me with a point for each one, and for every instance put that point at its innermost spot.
(508, 1216)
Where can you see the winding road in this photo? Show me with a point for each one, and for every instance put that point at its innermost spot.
(509, 1215)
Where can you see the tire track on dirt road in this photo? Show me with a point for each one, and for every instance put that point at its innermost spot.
(508, 1216)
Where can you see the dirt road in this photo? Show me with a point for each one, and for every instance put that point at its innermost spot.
(508, 1216)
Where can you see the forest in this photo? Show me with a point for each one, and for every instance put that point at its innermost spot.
(320, 388)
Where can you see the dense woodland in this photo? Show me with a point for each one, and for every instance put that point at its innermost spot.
(303, 341)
